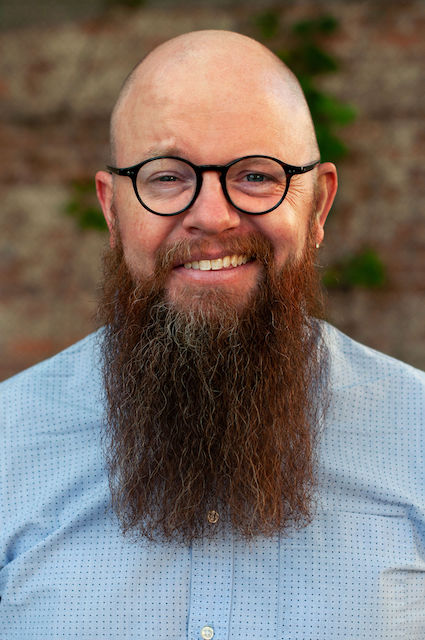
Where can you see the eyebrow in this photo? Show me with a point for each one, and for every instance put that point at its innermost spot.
(163, 150)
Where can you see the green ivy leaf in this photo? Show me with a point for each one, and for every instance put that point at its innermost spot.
(364, 269)
(330, 109)
(331, 147)
(82, 206)
(92, 218)
(325, 25)
(313, 60)
(268, 24)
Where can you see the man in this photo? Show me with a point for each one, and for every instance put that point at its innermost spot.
(264, 471)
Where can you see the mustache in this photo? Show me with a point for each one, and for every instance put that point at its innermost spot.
(255, 245)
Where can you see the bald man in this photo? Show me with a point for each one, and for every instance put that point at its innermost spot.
(216, 461)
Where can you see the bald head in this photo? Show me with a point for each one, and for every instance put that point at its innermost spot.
(216, 71)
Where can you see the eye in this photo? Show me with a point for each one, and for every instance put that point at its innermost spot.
(166, 178)
(255, 177)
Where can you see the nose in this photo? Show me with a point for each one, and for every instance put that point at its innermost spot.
(211, 213)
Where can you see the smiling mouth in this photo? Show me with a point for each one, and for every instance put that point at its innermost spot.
(217, 264)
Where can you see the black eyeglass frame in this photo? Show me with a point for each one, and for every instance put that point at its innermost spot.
(290, 170)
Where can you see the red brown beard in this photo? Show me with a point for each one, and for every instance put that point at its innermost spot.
(212, 407)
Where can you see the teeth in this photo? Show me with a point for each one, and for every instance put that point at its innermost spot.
(218, 263)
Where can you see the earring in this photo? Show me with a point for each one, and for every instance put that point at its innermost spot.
(317, 245)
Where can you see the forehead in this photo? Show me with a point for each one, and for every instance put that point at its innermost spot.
(210, 110)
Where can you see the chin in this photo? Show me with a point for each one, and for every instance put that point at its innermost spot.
(211, 302)
(215, 297)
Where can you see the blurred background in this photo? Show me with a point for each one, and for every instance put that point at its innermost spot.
(61, 66)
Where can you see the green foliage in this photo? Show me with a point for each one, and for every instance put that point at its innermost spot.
(364, 269)
(324, 25)
(268, 23)
(82, 206)
(308, 59)
(328, 113)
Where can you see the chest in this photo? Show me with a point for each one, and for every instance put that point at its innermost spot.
(347, 576)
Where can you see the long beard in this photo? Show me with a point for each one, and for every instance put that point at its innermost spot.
(211, 407)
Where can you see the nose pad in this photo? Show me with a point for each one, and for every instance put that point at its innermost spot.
(211, 212)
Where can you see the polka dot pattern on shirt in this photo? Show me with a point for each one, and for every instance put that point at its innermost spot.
(356, 572)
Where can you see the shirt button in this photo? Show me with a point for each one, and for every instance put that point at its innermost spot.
(207, 632)
(212, 518)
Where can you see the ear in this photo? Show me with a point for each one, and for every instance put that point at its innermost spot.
(104, 190)
(327, 184)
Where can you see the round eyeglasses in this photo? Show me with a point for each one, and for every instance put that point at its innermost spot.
(168, 185)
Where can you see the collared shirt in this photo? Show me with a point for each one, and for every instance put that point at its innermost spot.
(356, 572)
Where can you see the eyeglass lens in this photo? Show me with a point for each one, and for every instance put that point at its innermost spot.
(167, 185)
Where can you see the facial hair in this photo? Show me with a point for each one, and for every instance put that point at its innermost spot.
(211, 407)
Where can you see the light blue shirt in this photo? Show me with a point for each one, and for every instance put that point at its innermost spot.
(356, 572)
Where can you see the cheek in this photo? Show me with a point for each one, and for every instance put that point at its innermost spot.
(287, 231)
(142, 235)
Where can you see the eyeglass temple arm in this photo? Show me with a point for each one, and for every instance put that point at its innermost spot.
(293, 170)
(120, 172)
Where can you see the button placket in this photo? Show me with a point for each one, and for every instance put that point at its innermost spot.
(211, 588)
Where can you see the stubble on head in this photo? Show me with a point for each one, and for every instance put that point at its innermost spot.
(210, 406)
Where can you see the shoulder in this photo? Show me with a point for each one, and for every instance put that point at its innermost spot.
(376, 399)
(354, 364)
(375, 394)
(50, 424)
(375, 421)
(70, 370)
(58, 394)
(82, 352)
